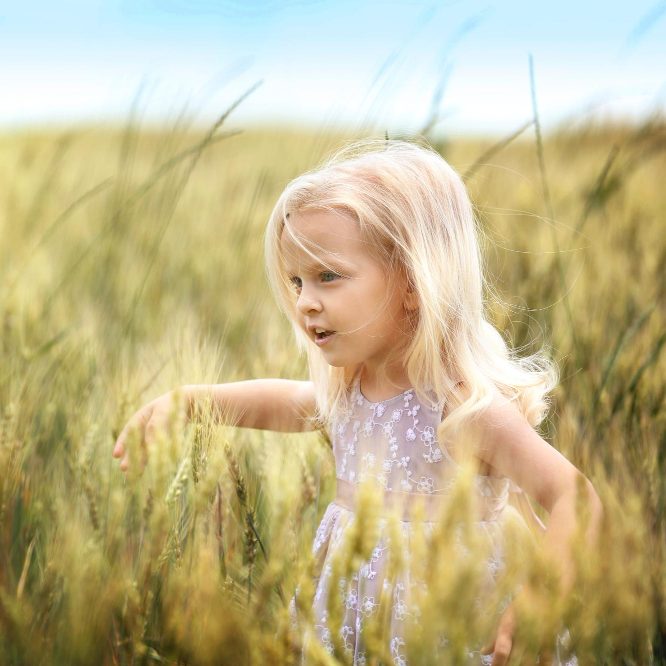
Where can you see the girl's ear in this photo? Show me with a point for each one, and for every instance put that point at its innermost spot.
(411, 301)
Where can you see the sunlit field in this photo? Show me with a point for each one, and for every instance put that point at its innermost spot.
(131, 263)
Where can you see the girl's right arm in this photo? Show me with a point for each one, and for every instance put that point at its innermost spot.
(268, 404)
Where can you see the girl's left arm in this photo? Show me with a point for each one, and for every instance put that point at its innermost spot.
(512, 448)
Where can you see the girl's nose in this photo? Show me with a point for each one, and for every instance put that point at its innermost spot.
(308, 302)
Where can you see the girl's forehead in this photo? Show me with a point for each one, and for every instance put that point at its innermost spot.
(322, 232)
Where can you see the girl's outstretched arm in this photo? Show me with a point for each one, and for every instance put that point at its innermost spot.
(268, 404)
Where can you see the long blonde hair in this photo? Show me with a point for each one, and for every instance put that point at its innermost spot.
(414, 207)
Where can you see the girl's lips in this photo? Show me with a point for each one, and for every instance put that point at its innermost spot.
(321, 341)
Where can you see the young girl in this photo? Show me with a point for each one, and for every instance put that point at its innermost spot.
(374, 257)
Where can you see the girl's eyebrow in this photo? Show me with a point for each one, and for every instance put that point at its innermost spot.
(313, 264)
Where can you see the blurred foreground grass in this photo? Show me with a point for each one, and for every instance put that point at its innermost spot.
(131, 262)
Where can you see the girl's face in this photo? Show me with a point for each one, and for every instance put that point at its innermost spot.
(346, 300)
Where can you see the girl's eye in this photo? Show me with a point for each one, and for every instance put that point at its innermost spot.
(328, 276)
(296, 282)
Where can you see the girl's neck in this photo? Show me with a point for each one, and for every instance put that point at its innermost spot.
(382, 385)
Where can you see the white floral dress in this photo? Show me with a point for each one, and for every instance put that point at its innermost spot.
(393, 442)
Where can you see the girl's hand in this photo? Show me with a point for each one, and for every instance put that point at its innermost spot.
(501, 647)
(149, 421)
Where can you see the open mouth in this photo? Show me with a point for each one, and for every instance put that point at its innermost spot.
(322, 334)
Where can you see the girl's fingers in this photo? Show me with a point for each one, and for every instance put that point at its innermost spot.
(501, 652)
(119, 447)
(503, 642)
(546, 659)
(136, 424)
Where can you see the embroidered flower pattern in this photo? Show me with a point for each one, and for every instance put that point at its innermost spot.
(425, 485)
(380, 434)
(367, 570)
(369, 460)
(406, 486)
(368, 605)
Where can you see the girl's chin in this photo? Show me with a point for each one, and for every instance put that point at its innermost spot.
(334, 363)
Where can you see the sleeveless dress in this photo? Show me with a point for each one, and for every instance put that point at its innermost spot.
(393, 443)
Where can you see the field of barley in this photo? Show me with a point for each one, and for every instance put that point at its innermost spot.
(131, 263)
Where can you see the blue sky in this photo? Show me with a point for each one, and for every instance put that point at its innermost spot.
(367, 64)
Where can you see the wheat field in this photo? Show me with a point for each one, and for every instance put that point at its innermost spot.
(131, 263)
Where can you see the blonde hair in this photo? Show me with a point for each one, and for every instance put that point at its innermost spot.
(414, 207)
